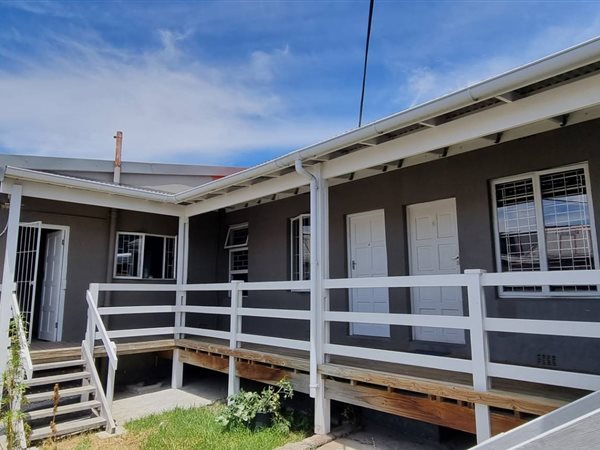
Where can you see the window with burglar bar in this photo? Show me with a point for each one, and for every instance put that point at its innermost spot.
(544, 222)
(145, 256)
(300, 247)
(237, 244)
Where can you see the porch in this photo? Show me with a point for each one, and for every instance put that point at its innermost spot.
(474, 394)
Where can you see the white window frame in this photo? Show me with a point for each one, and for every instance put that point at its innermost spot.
(141, 258)
(535, 177)
(300, 218)
(232, 228)
(233, 249)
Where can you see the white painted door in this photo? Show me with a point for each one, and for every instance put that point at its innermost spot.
(433, 236)
(368, 258)
(51, 286)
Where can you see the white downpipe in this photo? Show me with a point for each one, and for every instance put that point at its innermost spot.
(314, 279)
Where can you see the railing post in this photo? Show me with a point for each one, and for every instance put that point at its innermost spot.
(479, 350)
(235, 326)
(110, 380)
(8, 275)
(180, 297)
(90, 335)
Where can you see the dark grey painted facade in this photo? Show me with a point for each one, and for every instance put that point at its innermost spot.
(465, 177)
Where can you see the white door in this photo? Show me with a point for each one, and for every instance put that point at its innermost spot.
(28, 252)
(368, 258)
(433, 235)
(51, 286)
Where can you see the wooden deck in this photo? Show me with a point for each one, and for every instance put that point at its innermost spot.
(435, 396)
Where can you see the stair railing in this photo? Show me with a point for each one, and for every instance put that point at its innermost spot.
(23, 342)
(96, 328)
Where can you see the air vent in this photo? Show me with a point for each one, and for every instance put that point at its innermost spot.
(546, 360)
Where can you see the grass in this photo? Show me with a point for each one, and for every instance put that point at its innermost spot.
(193, 428)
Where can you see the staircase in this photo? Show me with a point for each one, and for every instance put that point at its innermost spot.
(79, 406)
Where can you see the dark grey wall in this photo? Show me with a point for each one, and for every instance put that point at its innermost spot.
(88, 257)
(465, 177)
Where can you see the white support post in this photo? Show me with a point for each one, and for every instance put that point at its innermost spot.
(235, 327)
(479, 350)
(90, 338)
(320, 240)
(180, 296)
(8, 275)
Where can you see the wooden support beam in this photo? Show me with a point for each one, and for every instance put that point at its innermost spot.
(527, 403)
(435, 412)
(204, 360)
(270, 375)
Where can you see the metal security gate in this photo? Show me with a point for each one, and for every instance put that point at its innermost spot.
(28, 255)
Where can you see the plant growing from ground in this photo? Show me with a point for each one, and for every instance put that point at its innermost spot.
(243, 407)
(11, 416)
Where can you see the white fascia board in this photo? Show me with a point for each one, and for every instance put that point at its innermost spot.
(564, 99)
(571, 97)
(283, 183)
(66, 194)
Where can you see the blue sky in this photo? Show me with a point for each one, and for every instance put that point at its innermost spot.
(237, 83)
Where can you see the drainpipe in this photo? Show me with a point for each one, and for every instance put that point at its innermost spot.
(314, 275)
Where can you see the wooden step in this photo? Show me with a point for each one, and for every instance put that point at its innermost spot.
(71, 427)
(65, 409)
(53, 379)
(58, 365)
(64, 393)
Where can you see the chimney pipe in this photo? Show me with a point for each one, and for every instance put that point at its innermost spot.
(118, 148)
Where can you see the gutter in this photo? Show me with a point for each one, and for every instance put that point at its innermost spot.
(555, 64)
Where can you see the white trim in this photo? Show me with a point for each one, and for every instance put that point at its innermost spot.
(534, 176)
(140, 268)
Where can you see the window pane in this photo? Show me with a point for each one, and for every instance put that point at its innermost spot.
(153, 257)
(128, 255)
(237, 237)
(239, 260)
(567, 223)
(306, 248)
(295, 225)
(517, 227)
(169, 257)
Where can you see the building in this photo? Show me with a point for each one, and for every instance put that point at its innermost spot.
(440, 264)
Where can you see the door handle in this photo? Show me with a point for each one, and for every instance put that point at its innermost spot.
(353, 265)
(456, 258)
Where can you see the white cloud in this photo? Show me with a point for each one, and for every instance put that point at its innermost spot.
(425, 83)
(169, 107)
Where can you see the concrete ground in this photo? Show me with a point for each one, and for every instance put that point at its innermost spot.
(380, 439)
(128, 406)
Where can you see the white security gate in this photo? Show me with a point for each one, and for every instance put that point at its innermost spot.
(28, 255)
(433, 236)
(368, 258)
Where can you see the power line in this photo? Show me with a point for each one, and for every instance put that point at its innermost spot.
(364, 80)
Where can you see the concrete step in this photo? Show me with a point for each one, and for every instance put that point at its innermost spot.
(71, 427)
(65, 409)
(58, 365)
(53, 379)
(64, 393)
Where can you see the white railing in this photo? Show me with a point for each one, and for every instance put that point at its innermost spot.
(476, 322)
(23, 342)
(95, 329)
(105, 403)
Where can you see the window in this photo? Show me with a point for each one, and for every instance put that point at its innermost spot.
(141, 255)
(237, 243)
(300, 247)
(544, 221)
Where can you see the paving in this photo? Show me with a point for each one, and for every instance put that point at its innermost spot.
(130, 406)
